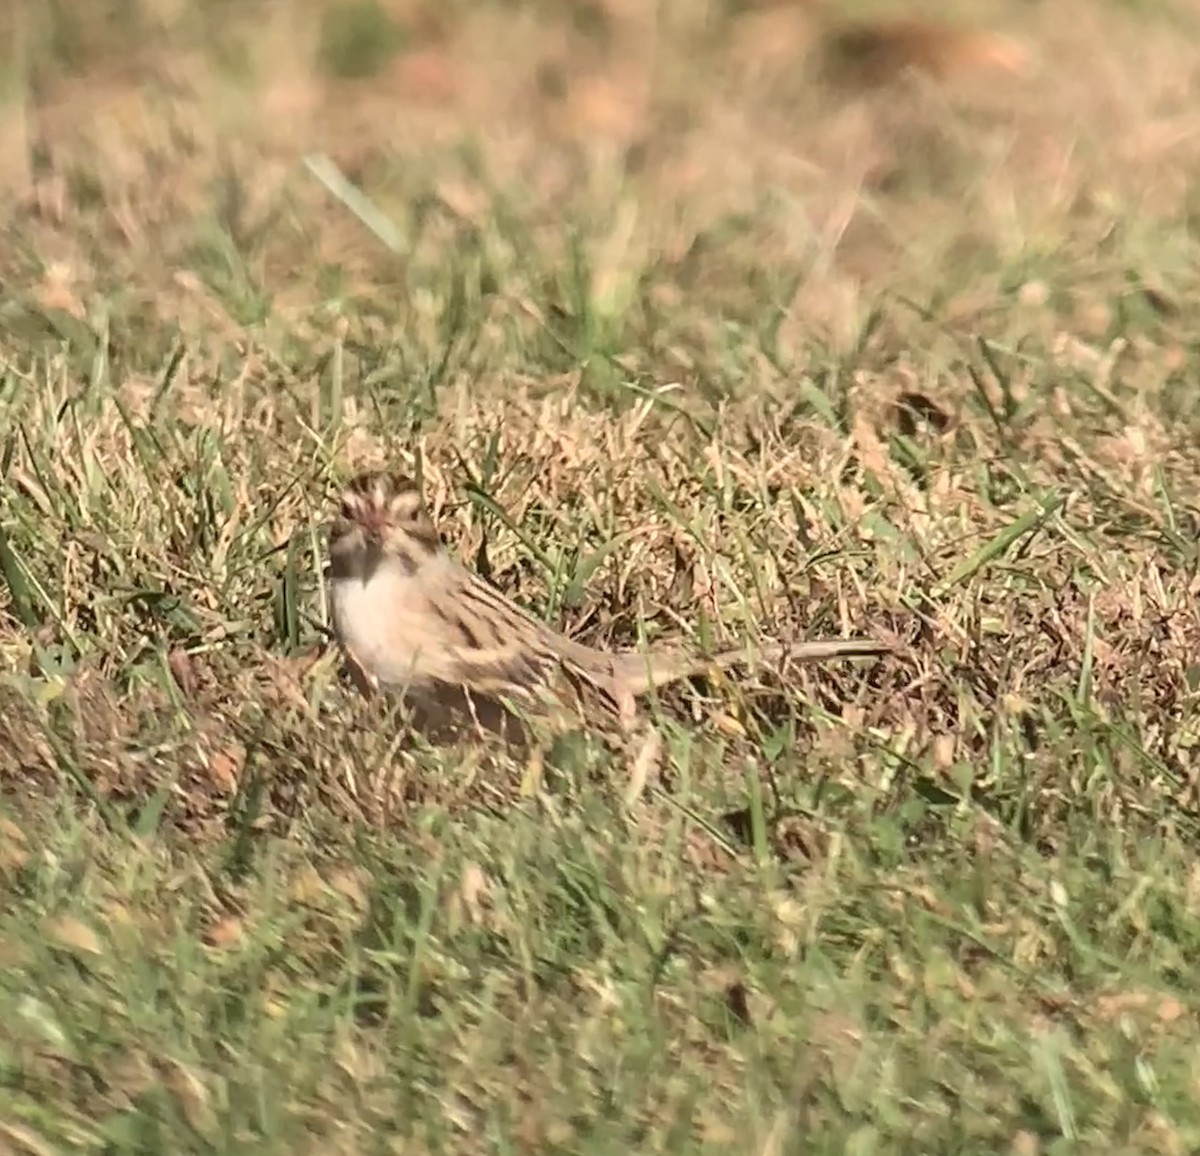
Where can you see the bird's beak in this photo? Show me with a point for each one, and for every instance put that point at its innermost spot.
(372, 522)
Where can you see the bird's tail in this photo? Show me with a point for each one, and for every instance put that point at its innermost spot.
(640, 672)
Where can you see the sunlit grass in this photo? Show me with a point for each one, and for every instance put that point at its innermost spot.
(686, 348)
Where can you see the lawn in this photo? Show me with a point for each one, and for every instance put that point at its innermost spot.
(702, 324)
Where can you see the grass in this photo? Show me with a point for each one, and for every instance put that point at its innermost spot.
(685, 345)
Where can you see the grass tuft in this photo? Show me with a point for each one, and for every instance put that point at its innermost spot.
(710, 326)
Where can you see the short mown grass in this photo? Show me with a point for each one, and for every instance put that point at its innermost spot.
(686, 348)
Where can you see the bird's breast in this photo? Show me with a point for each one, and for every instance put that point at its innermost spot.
(367, 613)
(385, 619)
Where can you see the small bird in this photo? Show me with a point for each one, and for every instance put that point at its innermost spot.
(411, 619)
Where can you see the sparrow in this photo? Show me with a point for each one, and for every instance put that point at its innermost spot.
(409, 618)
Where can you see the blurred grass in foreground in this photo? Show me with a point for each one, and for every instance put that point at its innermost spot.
(687, 334)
